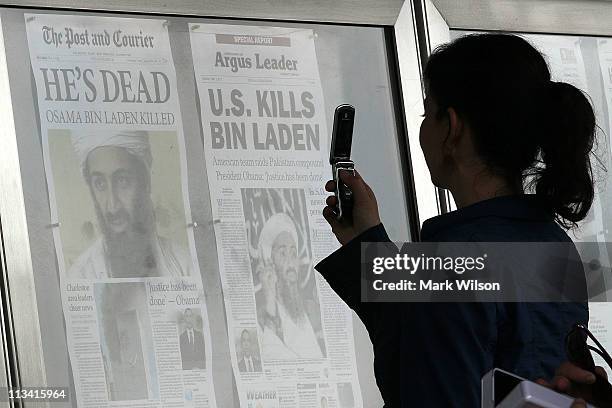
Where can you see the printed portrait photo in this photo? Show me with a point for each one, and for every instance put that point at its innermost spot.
(286, 295)
(191, 339)
(119, 203)
(247, 350)
(126, 341)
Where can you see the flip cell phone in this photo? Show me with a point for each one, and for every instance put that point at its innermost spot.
(340, 157)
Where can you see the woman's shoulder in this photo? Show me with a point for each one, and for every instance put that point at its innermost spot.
(517, 218)
(497, 229)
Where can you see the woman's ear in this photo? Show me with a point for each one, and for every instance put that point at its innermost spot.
(455, 129)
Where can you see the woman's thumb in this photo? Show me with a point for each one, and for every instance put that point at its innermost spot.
(355, 183)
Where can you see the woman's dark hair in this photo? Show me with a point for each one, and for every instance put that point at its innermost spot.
(528, 129)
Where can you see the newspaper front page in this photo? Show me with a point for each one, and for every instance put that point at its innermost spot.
(266, 147)
(136, 321)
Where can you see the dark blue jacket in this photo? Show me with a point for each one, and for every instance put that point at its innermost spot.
(434, 354)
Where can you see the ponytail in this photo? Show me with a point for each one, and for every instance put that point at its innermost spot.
(565, 182)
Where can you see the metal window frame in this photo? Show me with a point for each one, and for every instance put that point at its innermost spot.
(580, 17)
(362, 12)
(24, 360)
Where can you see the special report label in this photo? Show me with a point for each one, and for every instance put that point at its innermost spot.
(479, 272)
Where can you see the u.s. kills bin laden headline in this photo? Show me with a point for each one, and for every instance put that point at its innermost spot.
(283, 122)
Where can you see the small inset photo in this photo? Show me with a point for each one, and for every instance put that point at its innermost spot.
(126, 341)
(247, 350)
(191, 339)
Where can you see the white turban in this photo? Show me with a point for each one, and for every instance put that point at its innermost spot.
(135, 142)
(275, 225)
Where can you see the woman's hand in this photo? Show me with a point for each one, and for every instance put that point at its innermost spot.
(365, 209)
(574, 381)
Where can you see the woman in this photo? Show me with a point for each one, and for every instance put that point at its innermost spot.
(495, 128)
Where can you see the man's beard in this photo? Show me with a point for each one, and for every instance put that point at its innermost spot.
(291, 298)
(130, 253)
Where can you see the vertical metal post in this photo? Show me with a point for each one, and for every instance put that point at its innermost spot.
(22, 337)
(424, 43)
(402, 134)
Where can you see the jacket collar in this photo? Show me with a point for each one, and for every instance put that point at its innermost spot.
(527, 207)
